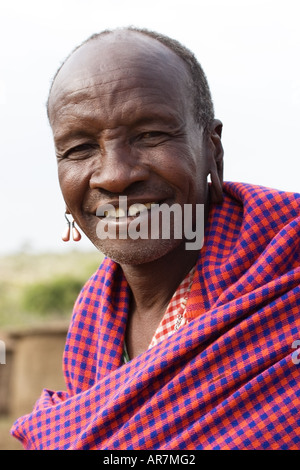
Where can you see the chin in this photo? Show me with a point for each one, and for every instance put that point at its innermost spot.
(137, 252)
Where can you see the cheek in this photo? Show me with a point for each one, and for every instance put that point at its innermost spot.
(176, 165)
(73, 181)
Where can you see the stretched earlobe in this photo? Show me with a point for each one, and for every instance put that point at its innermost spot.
(216, 188)
(75, 233)
(67, 232)
(216, 173)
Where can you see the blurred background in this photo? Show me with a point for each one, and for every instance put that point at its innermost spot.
(250, 52)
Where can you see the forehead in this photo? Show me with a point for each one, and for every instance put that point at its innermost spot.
(112, 67)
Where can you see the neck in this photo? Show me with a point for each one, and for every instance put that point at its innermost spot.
(153, 284)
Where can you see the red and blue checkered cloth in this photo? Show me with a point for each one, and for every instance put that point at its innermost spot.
(227, 380)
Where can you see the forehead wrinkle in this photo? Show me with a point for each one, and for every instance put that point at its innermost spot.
(63, 87)
(87, 97)
(102, 70)
(116, 87)
(140, 115)
(145, 98)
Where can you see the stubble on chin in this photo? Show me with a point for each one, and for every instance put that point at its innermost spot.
(137, 253)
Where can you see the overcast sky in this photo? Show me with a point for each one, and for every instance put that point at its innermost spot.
(249, 50)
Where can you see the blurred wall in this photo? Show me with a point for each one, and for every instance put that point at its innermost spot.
(33, 362)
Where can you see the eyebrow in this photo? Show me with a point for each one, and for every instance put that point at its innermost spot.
(167, 119)
(60, 139)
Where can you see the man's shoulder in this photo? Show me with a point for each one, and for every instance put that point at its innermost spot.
(262, 198)
(257, 190)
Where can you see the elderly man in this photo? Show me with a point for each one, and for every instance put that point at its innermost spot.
(169, 347)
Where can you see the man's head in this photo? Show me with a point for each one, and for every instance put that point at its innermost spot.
(127, 121)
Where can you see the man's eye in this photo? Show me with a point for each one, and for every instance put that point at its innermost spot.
(80, 151)
(152, 137)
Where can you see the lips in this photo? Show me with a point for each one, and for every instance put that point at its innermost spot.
(123, 209)
(133, 211)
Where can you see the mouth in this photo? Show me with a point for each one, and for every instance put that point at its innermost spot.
(151, 219)
(122, 210)
(133, 211)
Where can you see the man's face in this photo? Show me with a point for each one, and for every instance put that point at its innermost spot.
(123, 125)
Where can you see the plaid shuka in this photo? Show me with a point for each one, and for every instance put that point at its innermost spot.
(226, 380)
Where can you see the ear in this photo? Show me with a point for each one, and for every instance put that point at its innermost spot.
(216, 169)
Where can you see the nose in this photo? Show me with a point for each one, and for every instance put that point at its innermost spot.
(117, 169)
